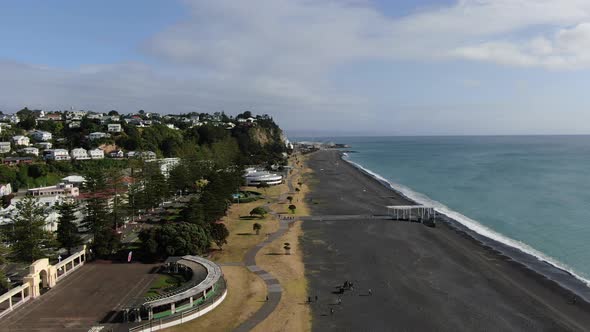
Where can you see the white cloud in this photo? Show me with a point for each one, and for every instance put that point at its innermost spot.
(276, 56)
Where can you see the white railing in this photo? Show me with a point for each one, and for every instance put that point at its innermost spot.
(13, 292)
(75, 261)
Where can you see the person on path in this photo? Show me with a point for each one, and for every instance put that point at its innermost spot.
(267, 298)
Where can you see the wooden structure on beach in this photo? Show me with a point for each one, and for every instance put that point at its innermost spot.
(418, 213)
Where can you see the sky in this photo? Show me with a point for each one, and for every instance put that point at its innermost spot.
(319, 67)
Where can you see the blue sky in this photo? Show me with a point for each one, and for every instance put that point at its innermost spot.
(345, 67)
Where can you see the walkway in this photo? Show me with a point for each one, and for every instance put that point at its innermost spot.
(272, 284)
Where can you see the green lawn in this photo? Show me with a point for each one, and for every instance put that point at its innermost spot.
(164, 283)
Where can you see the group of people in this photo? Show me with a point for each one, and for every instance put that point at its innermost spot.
(347, 285)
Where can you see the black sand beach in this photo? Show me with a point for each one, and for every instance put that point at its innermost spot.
(422, 279)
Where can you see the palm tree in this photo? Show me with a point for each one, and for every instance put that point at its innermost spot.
(292, 208)
(290, 199)
(287, 248)
(257, 227)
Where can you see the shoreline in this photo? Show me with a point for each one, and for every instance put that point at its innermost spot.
(426, 278)
(543, 268)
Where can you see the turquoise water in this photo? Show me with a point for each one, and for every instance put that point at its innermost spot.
(531, 192)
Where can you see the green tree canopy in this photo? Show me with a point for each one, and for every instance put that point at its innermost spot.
(27, 236)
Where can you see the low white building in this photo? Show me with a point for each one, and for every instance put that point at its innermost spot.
(75, 180)
(114, 128)
(41, 135)
(4, 147)
(57, 154)
(79, 154)
(96, 154)
(255, 177)
(30, 150)
(97, 135)
(21, 140)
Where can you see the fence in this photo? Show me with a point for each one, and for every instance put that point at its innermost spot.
(187, 315)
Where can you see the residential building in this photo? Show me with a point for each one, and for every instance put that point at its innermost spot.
(44, 145)
(60, 189)
(20, 140)
(96, 154)
(12, 118)
(167, 164)
(74, 124)
(97, 135)
(76, 115)
(114, 127)
(30, 150)
(11, 161)
(79, 154)
(4, 147)
(5, 189)
(41, 135)
(75, 180)
(95, 116)
(116, 154)
(57, 154)
(148, 155)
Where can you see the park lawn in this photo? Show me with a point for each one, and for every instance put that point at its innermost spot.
(291, 314)
(241, 236)
(245, 295)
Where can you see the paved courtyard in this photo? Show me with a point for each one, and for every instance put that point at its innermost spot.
(86, 298)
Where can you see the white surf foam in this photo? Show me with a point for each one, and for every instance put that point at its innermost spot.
(473, 225)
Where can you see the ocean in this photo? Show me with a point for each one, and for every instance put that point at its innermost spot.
(531, 193)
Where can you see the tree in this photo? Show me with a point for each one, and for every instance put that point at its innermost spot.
(292, 208)
(260, 211)
(113, 113)
(290, 199)
(67, 231)
(257, 227)
(176, 239)
(104, 237)
(287, 248)
(27, 236)
(219, 234)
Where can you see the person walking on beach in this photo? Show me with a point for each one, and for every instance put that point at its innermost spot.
(316, 298)
(331, 311)
(370, 292)
(339, 301)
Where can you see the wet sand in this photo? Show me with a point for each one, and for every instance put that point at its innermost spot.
(422, 279)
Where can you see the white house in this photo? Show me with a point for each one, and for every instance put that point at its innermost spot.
(5, 189)
(44, 145)
(97, 135)
(114, 127)
(4, 147)
(116, 154)
(57, 154)
(148, 155)
(167, 164)
(20, 140)
(41, 135)
(30, 150)
(96, 154)
(74, 124)
(79, 154)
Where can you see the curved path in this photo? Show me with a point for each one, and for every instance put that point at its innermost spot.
(272, 284)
